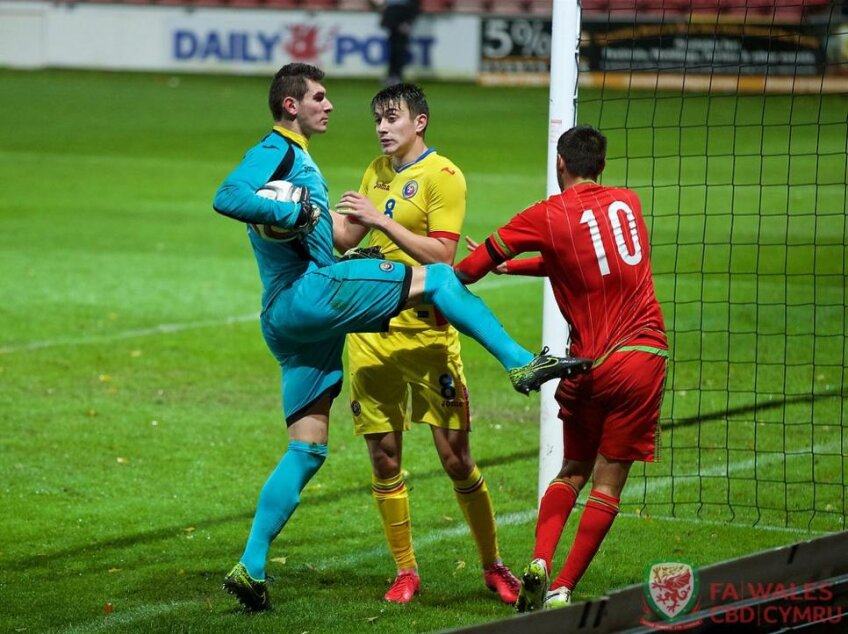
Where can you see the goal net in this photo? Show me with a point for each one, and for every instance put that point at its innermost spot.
(728, 117)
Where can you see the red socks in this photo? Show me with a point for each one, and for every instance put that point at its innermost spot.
(595, 523)
(557, 502)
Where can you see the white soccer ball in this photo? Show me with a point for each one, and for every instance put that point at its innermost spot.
(284, 191)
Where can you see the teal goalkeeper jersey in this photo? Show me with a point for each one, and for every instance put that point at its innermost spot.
(280, 263)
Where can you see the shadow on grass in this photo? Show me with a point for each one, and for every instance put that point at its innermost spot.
(760, 407)
(168, 532)
(329, 497)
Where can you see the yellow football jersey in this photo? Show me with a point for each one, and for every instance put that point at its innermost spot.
(427, 197)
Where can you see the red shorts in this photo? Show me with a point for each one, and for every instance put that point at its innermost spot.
(614, 410)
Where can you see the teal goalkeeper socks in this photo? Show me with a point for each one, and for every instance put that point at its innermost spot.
(278, 500)
(471, 316)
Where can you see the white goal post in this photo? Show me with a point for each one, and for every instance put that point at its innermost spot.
(565, 49)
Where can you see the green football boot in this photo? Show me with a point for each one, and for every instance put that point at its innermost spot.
(544, 367)
(534, 587)
(251, 593)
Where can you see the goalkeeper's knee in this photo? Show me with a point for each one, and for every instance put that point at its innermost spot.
(306, 459)
(440, 279)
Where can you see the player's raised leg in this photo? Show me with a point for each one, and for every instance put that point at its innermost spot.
(437, 284)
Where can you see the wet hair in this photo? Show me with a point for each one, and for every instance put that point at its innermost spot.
(584, 150)
(290, 81)
(412, 95)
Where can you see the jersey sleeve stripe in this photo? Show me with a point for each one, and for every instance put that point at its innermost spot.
(507, 252)
(444, 234)
(496, 256)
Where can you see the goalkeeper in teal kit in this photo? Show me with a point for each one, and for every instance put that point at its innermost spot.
(311, 299)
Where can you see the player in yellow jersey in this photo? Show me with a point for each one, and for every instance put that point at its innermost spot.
(411, 204)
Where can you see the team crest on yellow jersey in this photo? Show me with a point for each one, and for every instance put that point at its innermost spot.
(410, 189)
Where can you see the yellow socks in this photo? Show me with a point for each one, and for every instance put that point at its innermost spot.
(476, 504)
(393, 503)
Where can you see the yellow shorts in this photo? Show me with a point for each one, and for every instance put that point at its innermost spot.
(401, 376)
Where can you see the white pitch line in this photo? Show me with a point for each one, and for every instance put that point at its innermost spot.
(428, 539)
(127, 617)
(159, 329)
(659, 483)
(526, 517)
(690, 520)
(167, 329)
(653, 487)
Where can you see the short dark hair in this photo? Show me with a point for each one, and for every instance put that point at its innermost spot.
(412, 95)
(290, 81)
(584, 150)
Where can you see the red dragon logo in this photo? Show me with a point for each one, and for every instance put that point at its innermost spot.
(671, 589)
(305, 43)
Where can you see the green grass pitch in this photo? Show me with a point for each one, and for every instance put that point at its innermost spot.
(139, 409)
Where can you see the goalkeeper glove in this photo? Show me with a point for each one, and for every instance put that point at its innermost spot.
(309, 214)
(363, 253)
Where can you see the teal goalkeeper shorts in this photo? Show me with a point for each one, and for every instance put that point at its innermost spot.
(306, 323)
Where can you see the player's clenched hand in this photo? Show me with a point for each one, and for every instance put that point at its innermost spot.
(308, 215)
(359, 209)
(500, 269)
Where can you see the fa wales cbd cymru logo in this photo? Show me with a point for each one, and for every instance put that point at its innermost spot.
(671, 591)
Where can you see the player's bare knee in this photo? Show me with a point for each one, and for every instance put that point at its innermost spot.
(576, 471)
(457, 466)
(609, 475)
(385, 466)
(576, 482)
(416, 286)
(429, 280)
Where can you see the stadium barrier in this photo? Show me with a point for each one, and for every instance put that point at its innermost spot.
(498, 47)
(801, 587)
(740, 51)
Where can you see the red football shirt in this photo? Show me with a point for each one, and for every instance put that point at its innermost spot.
(594, 247)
